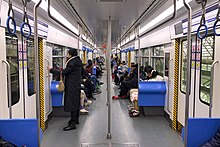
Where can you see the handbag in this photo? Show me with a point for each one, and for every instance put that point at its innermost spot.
(61, 86)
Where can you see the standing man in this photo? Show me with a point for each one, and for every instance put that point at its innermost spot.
(72, 82)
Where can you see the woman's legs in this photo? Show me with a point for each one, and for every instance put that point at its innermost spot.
(73, 121)
(82, 100)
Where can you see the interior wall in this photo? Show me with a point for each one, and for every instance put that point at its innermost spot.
(160, 37)
(56, 34)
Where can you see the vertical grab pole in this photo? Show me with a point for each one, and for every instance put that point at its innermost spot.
(9, 87)
(48, 84)
(139, 50)
(211, 88)
(37, 69)
(168, 95)
(108, 79)
(188, 78)
(78, 38)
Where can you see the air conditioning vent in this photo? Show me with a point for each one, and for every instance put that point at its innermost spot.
(111, 1)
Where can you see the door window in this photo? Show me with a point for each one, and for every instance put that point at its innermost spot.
(183, 66)
(58, 59)
(12, 58)
(207, 58)
(31, 67)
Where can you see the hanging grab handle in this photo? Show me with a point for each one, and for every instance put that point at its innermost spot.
(217, 20)
(25, 21)
(202, 22)
(11, 17)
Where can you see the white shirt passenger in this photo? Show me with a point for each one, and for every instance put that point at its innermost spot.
(157, 78)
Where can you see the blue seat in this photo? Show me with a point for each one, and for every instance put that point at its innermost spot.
(57, 97)
(151, 93)
(20, 131)
(201, 130)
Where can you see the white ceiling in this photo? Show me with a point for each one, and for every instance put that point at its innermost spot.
(95, 15)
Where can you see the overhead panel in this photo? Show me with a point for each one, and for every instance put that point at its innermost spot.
(111, 1)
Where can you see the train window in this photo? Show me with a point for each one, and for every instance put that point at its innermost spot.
(183, 66)
(145, 62)
(146, 52)
(167, 62)
(12, 58)
(158, 51)
(207, 57)
(145, 57)
(58, 59)
(157, 56)
(57, 51)
(30, 67)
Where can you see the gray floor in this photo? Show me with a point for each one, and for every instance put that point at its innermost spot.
(147, 131)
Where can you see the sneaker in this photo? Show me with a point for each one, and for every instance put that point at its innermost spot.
(115, 97)
(134, 114)
(88, 102)
(130, 108)
(83, 111)
(130, 111)
(119, 97)
(130, 105)
(97, 92)
(101, 83)
(124, 96)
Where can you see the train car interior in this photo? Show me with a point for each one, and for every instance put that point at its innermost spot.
(109, 73)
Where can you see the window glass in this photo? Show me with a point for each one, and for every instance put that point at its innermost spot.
(207, 57)
(158, 51)
(31, 66)
(167, 64)
(12, 58)
(157, 56)
(145, 61)
(58, 58)
(57, 51)
(145, 57)
(146, 52)
(158, 64)
(183, 66)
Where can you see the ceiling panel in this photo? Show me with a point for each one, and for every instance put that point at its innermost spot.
(95, 14)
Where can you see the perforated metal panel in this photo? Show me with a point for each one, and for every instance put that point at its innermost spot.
(111, 145)
(111, 1)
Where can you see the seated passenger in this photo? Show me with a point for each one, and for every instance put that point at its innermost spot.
(82, 100)
(134, 108)
(93, 78)
(116, 78)
(89, 67)
(153, 75)
(98, 69)
(89, 88)
(120, 72)
(128, 83)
